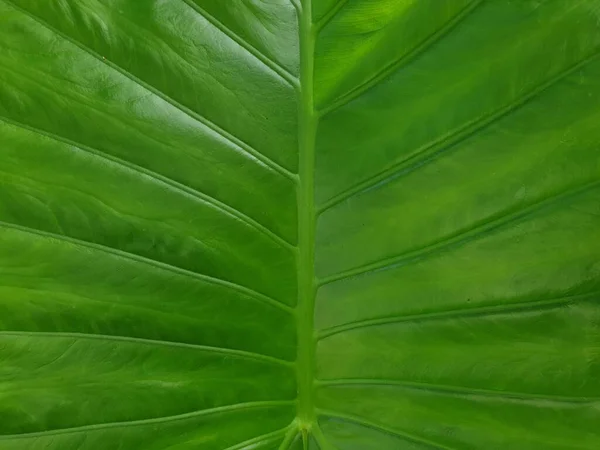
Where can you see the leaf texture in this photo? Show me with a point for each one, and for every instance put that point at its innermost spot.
(299, 225)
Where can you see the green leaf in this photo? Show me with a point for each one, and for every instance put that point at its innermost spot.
(260, 224)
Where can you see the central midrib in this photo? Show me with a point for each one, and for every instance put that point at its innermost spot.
(306, 223)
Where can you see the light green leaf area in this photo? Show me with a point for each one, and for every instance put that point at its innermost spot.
(299, 225)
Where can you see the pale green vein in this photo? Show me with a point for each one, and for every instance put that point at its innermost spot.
(159, 179)
(283, 73)
(193, 114)
(154, 421)
(306, 222)
(382, 428)
(151, 342)
(504, 308)
(296, 6)
(53, 296)
(289, 437)
(458, 391)
(257, 442)
(395, 65)
(477, 231)
(328, 17)
(320, 437)
(444, 143)
(352, 419)
(151, 262)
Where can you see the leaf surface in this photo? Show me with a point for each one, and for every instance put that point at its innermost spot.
(315, 225)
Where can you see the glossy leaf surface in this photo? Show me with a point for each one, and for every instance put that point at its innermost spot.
(340, 224)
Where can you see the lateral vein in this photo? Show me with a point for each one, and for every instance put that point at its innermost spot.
(160, 179)
(193, 114)
(382, 428)
(395, 65)
(151, 342)
(152, 262)
(136, 423)
(534, 305)
(277, 68)
(462, 237)
(437, 147)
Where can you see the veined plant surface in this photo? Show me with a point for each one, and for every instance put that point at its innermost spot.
(279, 225)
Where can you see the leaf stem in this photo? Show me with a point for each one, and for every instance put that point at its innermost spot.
(306, 222)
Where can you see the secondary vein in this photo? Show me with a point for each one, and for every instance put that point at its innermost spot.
(150, 262)
(475, 232)
(446, 142)
(158, 420)
(268, 62)
(193, 114)
(158, 179)
(149, 342)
